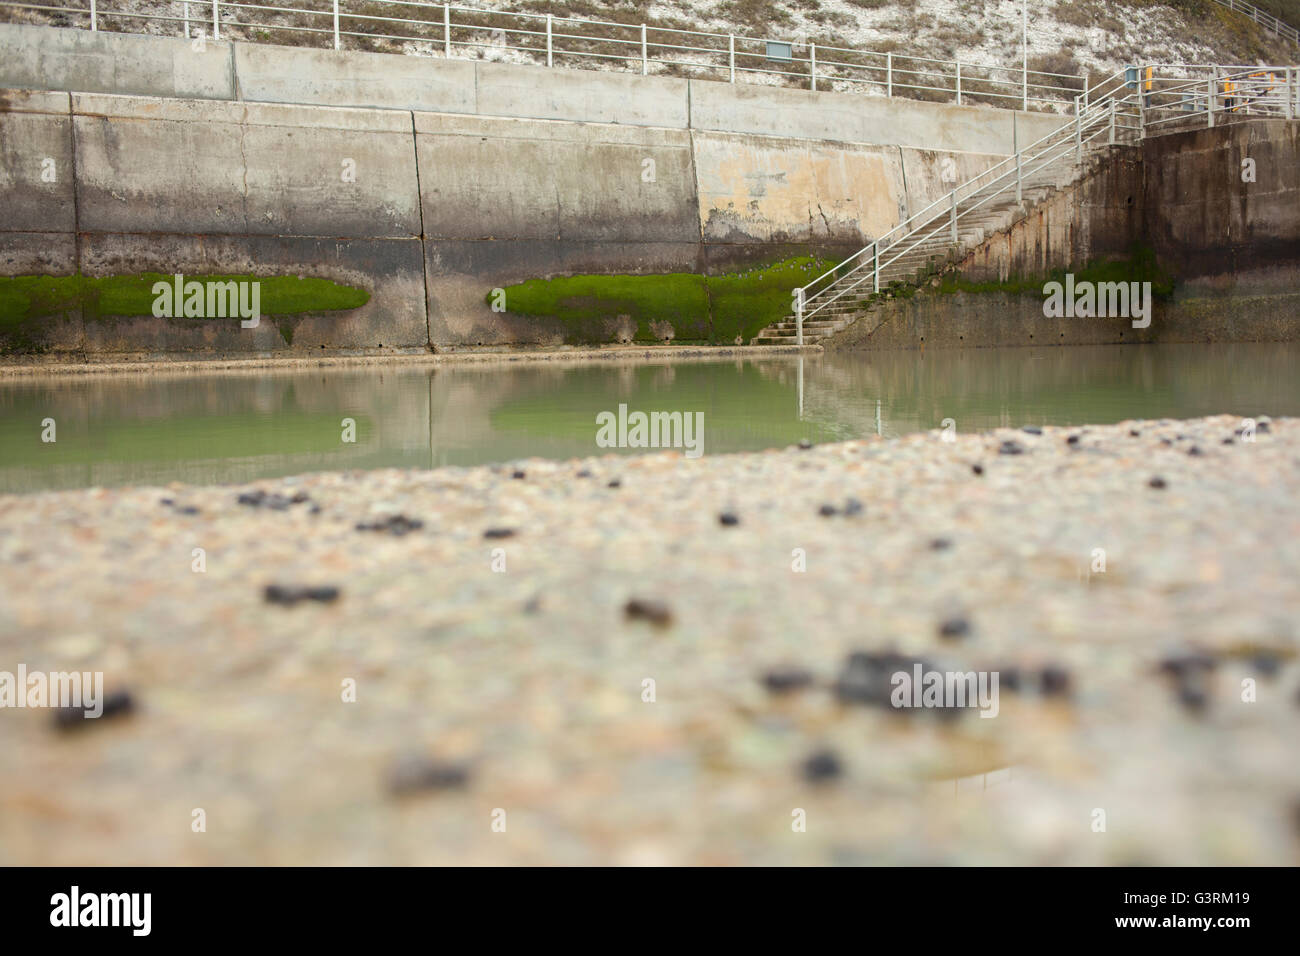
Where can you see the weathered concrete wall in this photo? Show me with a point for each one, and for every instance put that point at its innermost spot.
(468, 176)
(1223, 206)
(997, 319)
(1100, 216)
(44, 58)
(193, 186)
(1232, 245)
(846, 117)
(280, 74)
(80, 61)
(764, 188)
(508, 199)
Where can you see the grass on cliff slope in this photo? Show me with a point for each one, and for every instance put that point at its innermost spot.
(717, 309)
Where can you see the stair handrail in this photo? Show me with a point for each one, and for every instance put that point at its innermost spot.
(949, 199)
(940, 223)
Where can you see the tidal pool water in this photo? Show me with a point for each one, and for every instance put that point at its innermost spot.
(237, 426)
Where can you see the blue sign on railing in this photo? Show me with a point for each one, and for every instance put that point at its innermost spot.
(783, 52)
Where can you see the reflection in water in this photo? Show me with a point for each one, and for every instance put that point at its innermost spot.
(227, 427)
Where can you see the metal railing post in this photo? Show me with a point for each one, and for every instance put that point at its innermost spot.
(1209, 101)
(731, 55)
(549, 61)
(952, 217)
(1142, 107)
(645, 53)
(875, 266)
(1024, 53)
(959, 82)
(187, 19)
(812, 64)
(94, 18)
(216, 20)
(1112, 121)
(798, 316)
(446, 30)
(1290, 101)
(1078, 133)
(889, 74)
(337, 44)
(1015, 147)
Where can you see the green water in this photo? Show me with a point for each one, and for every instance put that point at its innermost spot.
(230, 427)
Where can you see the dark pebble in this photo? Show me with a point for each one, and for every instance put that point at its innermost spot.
(1267, 663)
(394, 524)
(117, 704)
(1158, 482)
(499, 533)
(416, 774)
(1072, 440)
(822, 766)
(648, 609)
(978, 469)
(518, 473)
(1188, 664)
(1262, 428)
(533, 605)
(852, 506)
(727, 519)
(783, 680)
(187, 510)
(1133, 433)
(1009, 677)
(954, 627)
(1054, 681)
(1192, 695)
(1230, 440)
(805, 444)
(253, 498)
(1032, 430)
(867, 677)
(940, 544)
(289, 596)
(615, 483)
(299, 497)
(1011, 448)
(584, 473)
(1165, 441)
(1195, 451)
(166, 501)
(828, 511)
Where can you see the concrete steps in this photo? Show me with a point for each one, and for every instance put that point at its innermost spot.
(928, 256)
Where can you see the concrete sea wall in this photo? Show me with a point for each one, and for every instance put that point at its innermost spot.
(464, 176)
(1219, 209)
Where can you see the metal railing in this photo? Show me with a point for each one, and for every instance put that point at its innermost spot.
(442, 29)
(1265, 20)
(1122, 108)
(1212, 95)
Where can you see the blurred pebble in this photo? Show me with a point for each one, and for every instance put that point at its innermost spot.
(649, 609)
(116, 704)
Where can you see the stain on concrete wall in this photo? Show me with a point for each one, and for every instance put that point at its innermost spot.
(762, 189)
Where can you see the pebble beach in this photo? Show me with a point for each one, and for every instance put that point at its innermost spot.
(654, 660)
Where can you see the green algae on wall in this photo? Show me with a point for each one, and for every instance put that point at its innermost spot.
(26, 302)
(1139, 265)
(692, 308)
